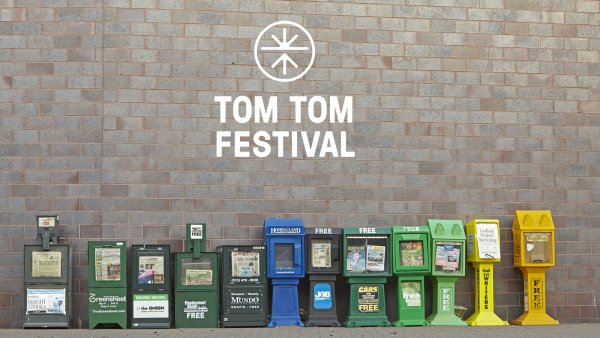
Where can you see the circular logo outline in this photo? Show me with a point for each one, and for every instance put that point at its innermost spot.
(289, 23)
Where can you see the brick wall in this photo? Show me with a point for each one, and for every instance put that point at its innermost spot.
(462, 109)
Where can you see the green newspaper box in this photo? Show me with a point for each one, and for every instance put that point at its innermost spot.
(448, 263)
(107, 284)
(196, 282)
(366, 267)
(196, 290)
(411, 247)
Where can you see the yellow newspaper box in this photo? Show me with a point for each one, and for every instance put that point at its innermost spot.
(533, 235)
(483, 249)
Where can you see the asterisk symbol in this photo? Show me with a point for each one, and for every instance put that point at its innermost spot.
(281, 45)
(284, 45)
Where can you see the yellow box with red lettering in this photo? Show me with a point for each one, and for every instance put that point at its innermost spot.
(533, 235)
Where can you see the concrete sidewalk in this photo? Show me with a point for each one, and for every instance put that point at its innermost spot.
(587, 330)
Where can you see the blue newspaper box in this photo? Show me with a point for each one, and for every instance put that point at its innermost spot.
(284, 239)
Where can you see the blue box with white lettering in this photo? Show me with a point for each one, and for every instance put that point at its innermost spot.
(323, 265)
(284, 240)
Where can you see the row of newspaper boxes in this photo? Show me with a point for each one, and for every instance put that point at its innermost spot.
(230, 287)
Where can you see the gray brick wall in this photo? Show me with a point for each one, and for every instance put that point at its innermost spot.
(462, 109)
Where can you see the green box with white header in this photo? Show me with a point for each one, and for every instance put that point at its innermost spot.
(411, 258)
(366, 266)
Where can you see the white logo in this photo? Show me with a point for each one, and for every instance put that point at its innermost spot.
(285, 40)
(323, 295)
(286, 230)
(104, 299)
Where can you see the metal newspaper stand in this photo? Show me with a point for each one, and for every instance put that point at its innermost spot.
(244, 289)
(196, 282)
(284, 239)
(107, 278)
(323, 265)
(366, 266)
(448, 255)
(151, 287)
(47, 277)
(483, 250)
(533, 234)
(411, 249)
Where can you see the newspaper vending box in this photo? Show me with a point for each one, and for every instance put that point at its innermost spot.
(366, 267)
(196, 282)
(483, 249)
(448, 263)
(47, 278)
(533, 235)
(323, 265)
(411, 247)
(107, 284)
(151, 287)
(284, 239)
(244, 289)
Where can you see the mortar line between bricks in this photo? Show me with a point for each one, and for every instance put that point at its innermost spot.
(101, 108)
